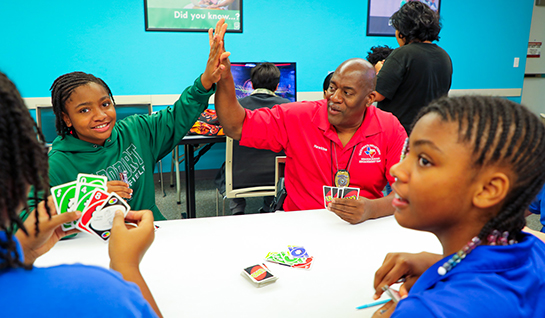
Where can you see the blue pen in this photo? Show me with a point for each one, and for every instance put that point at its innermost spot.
(376, 303)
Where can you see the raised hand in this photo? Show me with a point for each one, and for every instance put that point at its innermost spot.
(218, 61)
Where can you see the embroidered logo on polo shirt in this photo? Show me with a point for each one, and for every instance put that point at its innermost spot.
(369, 154)
(321, 148)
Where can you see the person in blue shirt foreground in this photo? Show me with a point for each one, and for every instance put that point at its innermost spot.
(473, 166)
(83, 291)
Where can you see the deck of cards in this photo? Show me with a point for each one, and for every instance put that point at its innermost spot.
(295, 257)
(331, 193)
(259, 274)
(88, 195)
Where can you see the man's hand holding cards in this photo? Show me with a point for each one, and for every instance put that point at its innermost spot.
(331, 193)
(88, 195)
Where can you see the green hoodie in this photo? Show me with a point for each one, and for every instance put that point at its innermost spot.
(136, 144)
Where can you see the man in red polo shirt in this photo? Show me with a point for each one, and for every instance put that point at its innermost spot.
(321, 138)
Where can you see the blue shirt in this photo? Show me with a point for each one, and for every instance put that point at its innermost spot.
(539, 205)
(69, 290)
(492, 281)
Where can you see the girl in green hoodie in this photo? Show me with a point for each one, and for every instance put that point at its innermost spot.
(91, 141)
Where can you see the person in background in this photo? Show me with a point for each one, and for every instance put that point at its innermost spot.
(327, 79)
(255, 167)
(418, 71)
(472, 167)
(342, 135)
(377, 55)
(85, 291)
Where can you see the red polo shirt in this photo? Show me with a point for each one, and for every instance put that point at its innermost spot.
(303, 131)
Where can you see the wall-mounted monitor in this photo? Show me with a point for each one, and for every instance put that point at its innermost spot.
(286, 87)
(380, 11)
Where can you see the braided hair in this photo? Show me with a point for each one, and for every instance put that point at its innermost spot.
(23, 163)
(62, 89)
(502, 133)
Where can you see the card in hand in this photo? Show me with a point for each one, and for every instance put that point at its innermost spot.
(102, 219)
(351, 193)
(92, 179)
(64, 199)
(98, 198)
(83, 194)
(329, 194)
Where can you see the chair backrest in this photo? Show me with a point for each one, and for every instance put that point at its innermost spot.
(280, 164)
(247, 172)
(45, 119)
(126, 110)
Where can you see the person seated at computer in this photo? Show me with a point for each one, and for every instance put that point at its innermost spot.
(254, 167)
(342, 134)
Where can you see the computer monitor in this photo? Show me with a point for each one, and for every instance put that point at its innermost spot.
(287, 87)
(45, 117)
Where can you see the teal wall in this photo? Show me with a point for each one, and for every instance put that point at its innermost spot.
(44, 39)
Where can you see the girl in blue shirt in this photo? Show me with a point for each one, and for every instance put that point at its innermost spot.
(473, 166)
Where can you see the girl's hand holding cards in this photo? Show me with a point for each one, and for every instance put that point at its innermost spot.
(128, 245)
(50, 231)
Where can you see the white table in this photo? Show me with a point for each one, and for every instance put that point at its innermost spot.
(193, 267)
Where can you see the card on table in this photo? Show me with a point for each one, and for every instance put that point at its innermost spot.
(297, 251)
(259, 274)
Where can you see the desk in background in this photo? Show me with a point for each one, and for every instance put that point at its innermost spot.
(190, 143)
(193, 267)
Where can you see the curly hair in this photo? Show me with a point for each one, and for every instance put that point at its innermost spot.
(416, 22)
(378, 53)
(62, 89)
(23, 163)
(505, 133)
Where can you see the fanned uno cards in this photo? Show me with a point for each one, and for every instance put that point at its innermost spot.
(259, 274)
(331, 193)
(296, 257)
(88, 195)
(75, 195)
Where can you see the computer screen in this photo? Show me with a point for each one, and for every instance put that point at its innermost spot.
(286, 87)
(46, 121)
